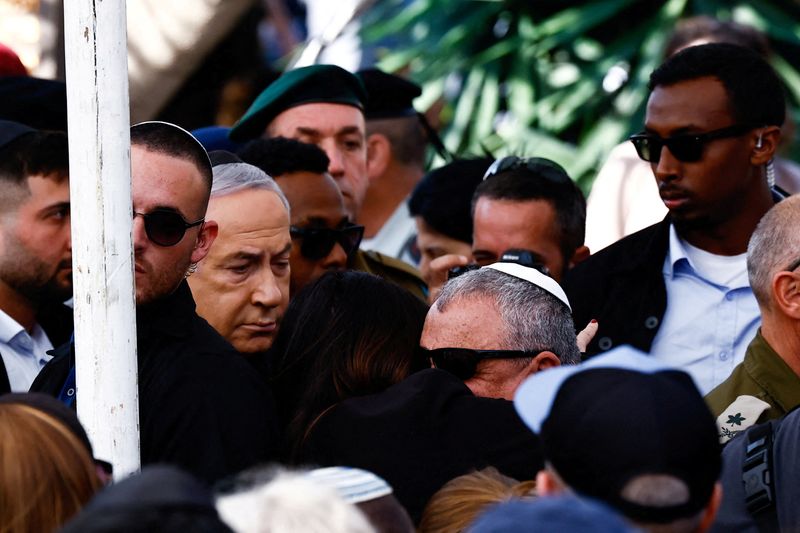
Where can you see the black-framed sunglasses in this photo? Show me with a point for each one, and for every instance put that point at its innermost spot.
(686, 147)
(543, 168)
(318, 242)
(164, 227)
(462, 362)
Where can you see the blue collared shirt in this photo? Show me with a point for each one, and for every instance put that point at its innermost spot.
(24, 354)
(710, 319)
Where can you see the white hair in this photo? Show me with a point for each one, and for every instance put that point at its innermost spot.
(230, 178)
(291, 502)
(535, 320)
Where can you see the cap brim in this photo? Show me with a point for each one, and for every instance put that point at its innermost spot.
(535, 396)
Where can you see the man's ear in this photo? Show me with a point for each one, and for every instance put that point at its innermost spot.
(547, 484)
(786, 293)
(710, 512)
(379, 153)
(767, 147)
(208, 232)
(581, 254)
(543, 361)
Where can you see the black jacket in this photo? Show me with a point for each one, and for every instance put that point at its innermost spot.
(421, 433)
(56, 321)
(201, 404)
(622, 287)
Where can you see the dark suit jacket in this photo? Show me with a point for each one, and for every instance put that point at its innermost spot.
(622, 286)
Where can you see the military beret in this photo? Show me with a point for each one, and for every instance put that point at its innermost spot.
(11, 131)
(306, 85)
(388, 96)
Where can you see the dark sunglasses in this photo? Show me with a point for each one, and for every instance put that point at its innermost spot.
(164, 227)
(543, 168)
(794, 265)
(462, 362)
(687, 147)
(318, 242)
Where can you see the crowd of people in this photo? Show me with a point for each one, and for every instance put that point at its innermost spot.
(331, 339)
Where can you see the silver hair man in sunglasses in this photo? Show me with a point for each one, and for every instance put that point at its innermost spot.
(679, 289)
(489, 329)
(202, 406)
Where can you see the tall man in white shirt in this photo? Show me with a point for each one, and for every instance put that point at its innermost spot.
(35, 251)
(679, 289)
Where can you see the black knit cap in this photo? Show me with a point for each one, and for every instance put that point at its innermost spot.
(388, 96)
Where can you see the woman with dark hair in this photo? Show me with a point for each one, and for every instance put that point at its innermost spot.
(347, 334)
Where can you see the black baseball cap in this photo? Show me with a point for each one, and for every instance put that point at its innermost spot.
(620, 416)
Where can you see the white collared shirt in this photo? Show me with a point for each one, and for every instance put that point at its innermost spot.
(23, 354)
(711, 313)
(394, 234)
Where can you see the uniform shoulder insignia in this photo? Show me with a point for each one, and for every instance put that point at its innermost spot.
(740, 415)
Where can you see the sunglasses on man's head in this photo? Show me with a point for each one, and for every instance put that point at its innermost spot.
(686, 147)
(164, 227)
(544, 168)
(463, 362)
(318, 242)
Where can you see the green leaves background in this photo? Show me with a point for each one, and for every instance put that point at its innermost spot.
(557, 79)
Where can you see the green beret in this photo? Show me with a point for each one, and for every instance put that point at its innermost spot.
(307, 85)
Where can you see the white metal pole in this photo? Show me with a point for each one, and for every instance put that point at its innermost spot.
(102, 252)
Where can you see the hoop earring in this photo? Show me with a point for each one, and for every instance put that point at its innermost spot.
(191, 270)
(770, 174)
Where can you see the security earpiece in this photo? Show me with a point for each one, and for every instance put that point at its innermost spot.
(759, 142)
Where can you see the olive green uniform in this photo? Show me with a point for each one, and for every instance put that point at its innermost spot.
(391, 269)
(763, 387)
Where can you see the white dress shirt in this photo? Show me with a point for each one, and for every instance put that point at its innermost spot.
(711, 313)
(24, 354)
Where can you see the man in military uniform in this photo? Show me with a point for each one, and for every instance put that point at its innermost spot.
(323, 105)
(766, 385)
(397, 142)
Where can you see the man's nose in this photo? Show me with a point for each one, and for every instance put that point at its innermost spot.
(267, 290)
(668, 166)
(336, 259)
(139, 235)
(336, 157)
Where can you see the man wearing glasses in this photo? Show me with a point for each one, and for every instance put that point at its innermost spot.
(323, 238)
(201, 405)
(323, 105)
(679, 289)
(489, 329)
(766, 385)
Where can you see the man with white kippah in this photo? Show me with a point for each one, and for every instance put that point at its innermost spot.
(488, 330)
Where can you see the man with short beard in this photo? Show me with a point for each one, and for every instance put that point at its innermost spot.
(202, 407)
(35, 251)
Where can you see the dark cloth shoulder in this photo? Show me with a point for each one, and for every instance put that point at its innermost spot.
(202, 406)
(391, 269)
(733, 514)
(423, 432)
(622, 287)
